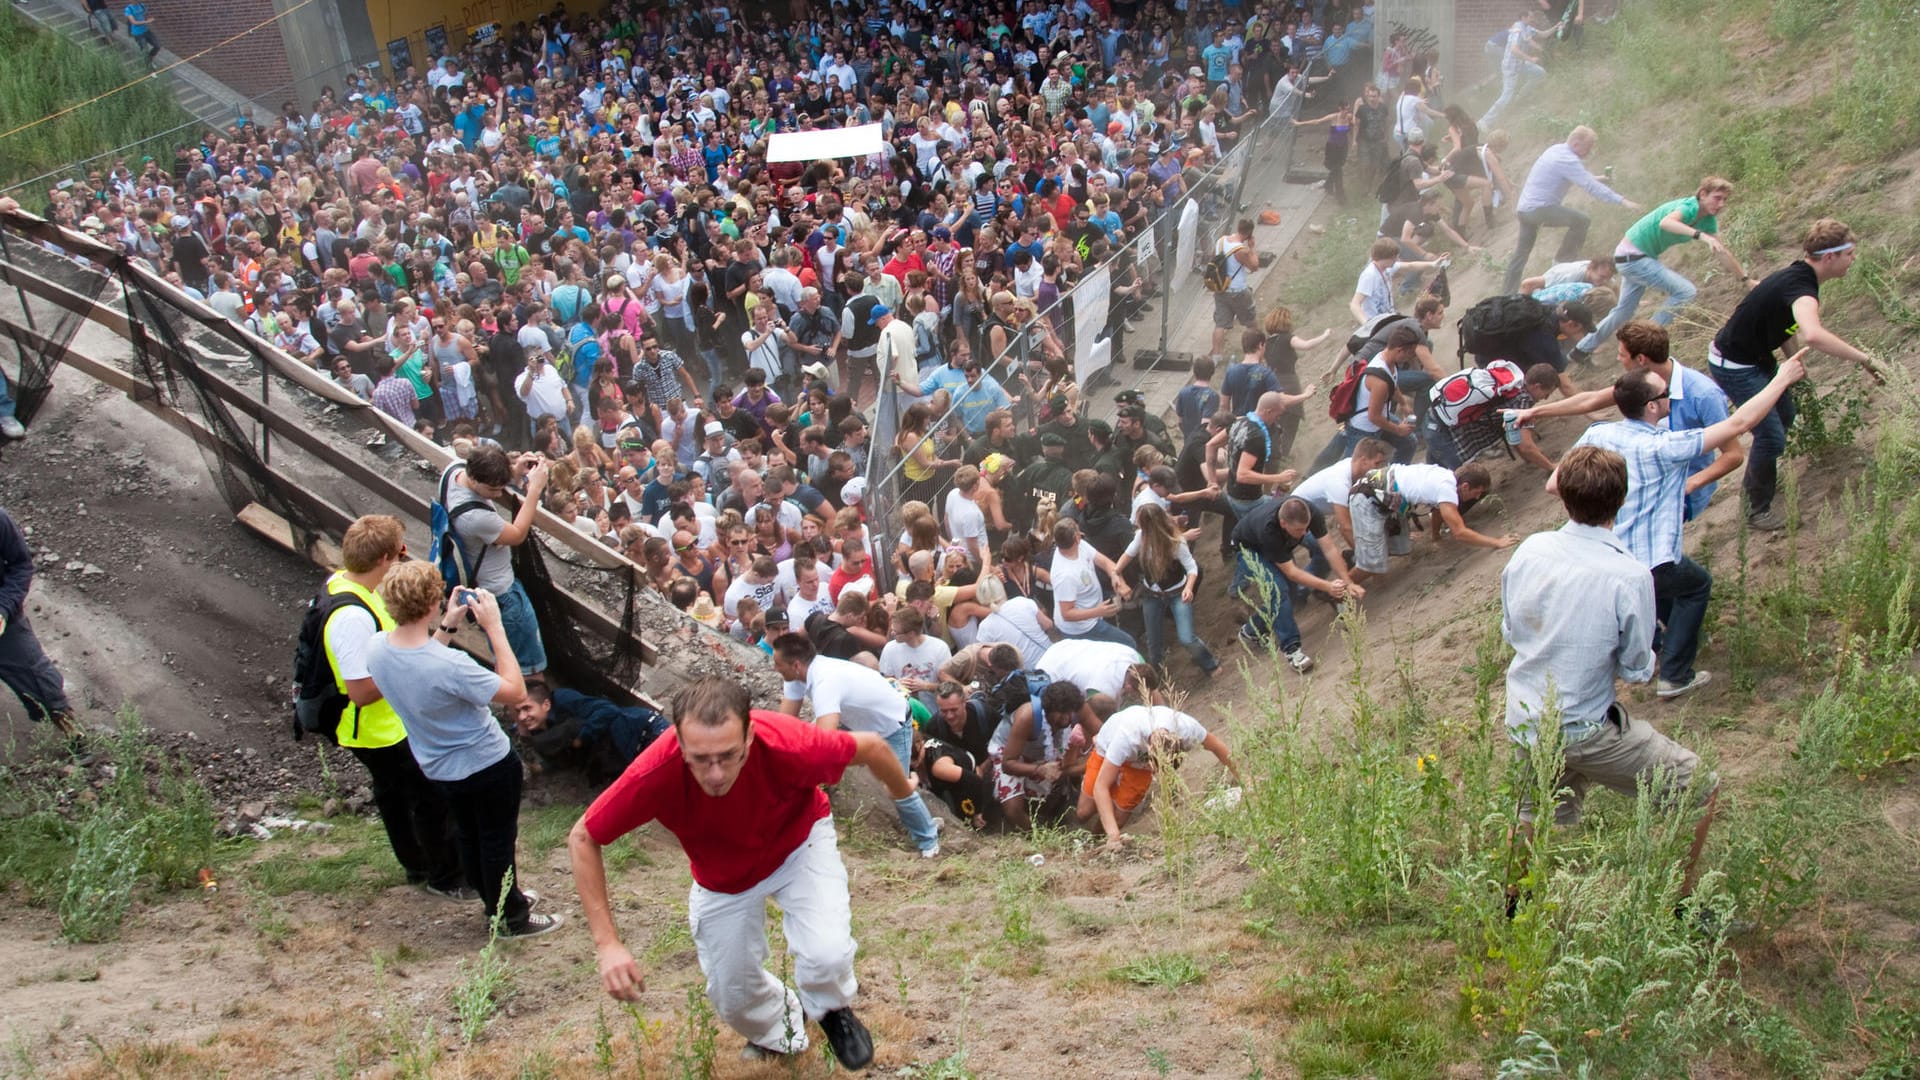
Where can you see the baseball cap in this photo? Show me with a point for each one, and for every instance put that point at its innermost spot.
(854, 491)
(1196, 72)
(941, 232)
(1577, 312)
(880, 311)
(715, 427)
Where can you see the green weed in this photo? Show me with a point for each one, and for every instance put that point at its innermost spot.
(480, 989)
(45, 73)
(694, 1046)
(1166, 970)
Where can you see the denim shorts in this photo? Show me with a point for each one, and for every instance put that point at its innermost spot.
(523, 630)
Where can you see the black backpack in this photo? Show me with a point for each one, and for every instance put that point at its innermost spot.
(318, 703)
(1497, 328)
(1394, 186)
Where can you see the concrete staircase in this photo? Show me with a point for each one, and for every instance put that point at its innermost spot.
(206, 98)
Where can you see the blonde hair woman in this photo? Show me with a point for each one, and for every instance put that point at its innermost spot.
(443, 696)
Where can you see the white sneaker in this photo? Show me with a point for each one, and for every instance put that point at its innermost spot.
(12, 428)
(1301, 662)
(932, 852)
(1667, 689)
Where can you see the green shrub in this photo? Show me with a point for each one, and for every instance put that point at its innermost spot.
(46, 73)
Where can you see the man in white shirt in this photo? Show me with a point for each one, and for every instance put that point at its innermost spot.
(912, 659)
(966, 524)
(1391, 494)
(1096, 667)
(809, 596)
(543, 391)
(1019, 622)
(1080, 607)
(1128, 750)
(857, 698)
(1328, 489)
(1235, 302)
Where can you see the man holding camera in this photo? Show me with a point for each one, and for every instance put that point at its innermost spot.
(543, 391)
(485, 477)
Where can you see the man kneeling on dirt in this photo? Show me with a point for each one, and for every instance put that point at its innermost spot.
(1130, 748)
(740, 789)
(1578, 609)
(1041, 740)
(1382, 504)
(566, 724)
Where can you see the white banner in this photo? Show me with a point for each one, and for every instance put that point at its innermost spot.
(1143, 250)
(1183, 243)
(844, 142)
(1096, 360)
(1090, 301)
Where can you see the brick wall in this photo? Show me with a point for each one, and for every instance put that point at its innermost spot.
(254, 64)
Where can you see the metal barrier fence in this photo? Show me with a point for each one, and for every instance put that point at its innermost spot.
(1169, 254)
(279, 436)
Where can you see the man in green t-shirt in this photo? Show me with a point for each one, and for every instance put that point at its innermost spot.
(1670, 224)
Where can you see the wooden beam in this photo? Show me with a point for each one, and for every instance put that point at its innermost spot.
(326, 513)
(271, 526)
(276, 360)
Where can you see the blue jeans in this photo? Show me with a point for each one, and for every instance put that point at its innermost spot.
(1102, 630)
(1513, 79)
(1346, 437)
(1762, 477)
(1680, 594)
(523, 630)
(1155, 608)
(1262, 588)
(1416, 384)
(7, 404)
(1531, 222)
(1636, 278)
(913, 812)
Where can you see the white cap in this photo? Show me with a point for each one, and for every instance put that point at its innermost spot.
(855, 491)
(715, 427)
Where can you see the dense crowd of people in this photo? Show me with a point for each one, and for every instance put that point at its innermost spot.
(567, 256)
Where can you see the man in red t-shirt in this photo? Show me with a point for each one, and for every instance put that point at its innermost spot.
(740, 788)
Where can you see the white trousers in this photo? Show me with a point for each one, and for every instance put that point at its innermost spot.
(730, 934)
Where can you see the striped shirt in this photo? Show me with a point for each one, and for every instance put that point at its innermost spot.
(1657, 467)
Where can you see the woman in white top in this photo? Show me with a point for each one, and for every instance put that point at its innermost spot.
(1168, 574)
(1412, 111)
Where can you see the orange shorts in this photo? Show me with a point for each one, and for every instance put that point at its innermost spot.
(1128, 791)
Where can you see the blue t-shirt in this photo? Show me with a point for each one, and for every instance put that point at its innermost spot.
(1194, 404)
(136, 14)
(441, 695)
(1244, 383)
(1217, 58)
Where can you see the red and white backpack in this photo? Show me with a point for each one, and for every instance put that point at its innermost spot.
(1474, 394)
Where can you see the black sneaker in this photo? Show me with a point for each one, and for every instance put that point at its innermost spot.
(535, 926)
(456, 892)
(852, 1046)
